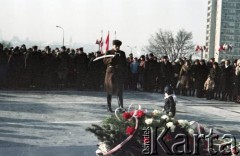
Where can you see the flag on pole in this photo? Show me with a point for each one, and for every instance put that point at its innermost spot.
(221, 48)
(197, 48)
(101, 45)
(97, 42)
(107, 42)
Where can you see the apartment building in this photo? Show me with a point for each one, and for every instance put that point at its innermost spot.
(223, 30)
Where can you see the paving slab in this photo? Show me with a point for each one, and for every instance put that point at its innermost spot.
(54, 122)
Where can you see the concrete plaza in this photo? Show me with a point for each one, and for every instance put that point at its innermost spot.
(49, 123)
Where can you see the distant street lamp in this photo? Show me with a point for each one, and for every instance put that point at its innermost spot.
(63, 32)
(131, 47)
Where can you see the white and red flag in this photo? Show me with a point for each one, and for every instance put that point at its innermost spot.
(107, 42)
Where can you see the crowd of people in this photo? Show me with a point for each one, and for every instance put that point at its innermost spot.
(198, 78)
(63, 68)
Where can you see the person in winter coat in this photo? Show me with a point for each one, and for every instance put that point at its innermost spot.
(215, 74)
(201, 76)
(237, 82)
(209, 87)
(134, 66)
(229, 72)
(151, 67)
(167, 74)
(115, 74)
(170, 104)
(185, 77)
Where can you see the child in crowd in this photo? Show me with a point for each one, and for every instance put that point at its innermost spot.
(170, 101)
(209, 87)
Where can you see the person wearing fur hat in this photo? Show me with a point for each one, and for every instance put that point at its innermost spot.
(166, 72)
(115, 74)
(170, 101)
(229, 74)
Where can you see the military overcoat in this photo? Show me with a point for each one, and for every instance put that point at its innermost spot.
(115, 72)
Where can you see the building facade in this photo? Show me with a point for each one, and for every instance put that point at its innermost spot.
(223, 30)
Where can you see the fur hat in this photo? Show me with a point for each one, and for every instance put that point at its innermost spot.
(117, 42)
(63, 48)
(35, 47)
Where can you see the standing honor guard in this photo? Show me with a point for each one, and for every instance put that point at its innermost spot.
(115, 74)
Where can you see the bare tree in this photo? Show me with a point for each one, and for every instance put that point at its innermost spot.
(165, 43)
(6, 44)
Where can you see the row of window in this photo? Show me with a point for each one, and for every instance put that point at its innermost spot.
(230, 1)
(227, 31)
(230, 5)
(236, 44)
(231, 11)
(227, 22)
(231, 17)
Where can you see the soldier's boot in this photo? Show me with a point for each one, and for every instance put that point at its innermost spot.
(109, 106)
(120, 103)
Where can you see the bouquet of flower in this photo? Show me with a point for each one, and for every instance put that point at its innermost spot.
(132, 132)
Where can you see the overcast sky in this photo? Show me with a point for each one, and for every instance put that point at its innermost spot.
(133, 20)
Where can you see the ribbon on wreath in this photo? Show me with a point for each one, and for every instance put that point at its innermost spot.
(119, 146)
(201, 131)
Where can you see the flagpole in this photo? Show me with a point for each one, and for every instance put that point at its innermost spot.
(100, 45)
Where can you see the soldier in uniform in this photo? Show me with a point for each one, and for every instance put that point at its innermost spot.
(115, 74)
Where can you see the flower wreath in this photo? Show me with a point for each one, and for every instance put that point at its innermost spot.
(130, 125)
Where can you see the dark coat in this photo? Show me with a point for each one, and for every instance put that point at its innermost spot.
(222, 78)
(229, 71)
(81, 63)
(215, 74)
(236, 85)
(166, 70)
(115, 72)
(170, 105)
(201, 76)
(150, 74)
(96, 73)
(167, 73)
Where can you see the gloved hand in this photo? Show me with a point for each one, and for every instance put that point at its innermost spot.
(116, 55)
